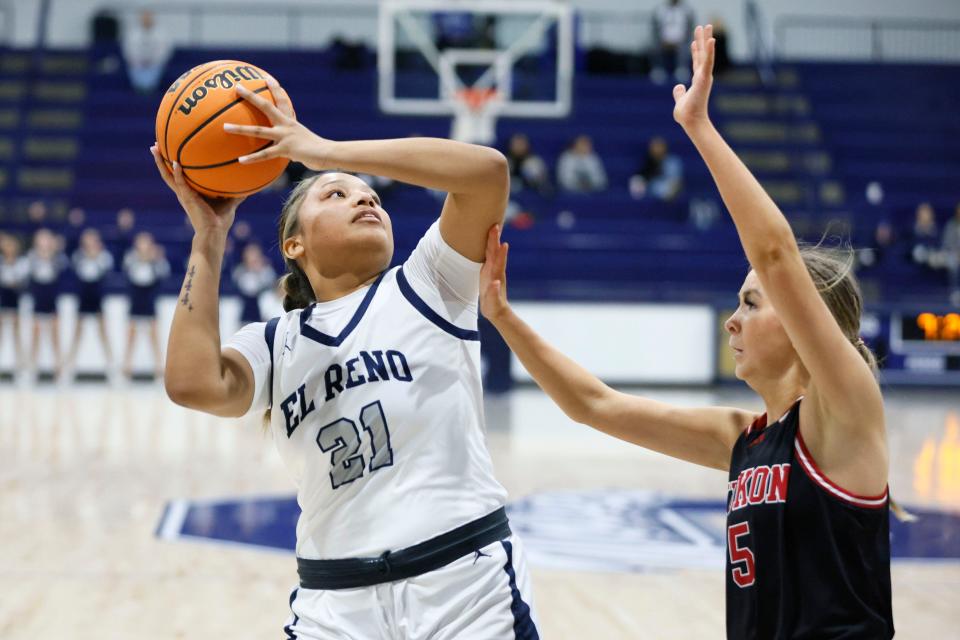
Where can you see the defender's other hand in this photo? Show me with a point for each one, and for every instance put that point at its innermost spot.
(690, 106)
(493, 277)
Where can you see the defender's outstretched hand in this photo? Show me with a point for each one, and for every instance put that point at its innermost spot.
(493, 277)
(290, 138)
(206, 214)
(691, 104)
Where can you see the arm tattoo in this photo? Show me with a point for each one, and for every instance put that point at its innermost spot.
(185, 300)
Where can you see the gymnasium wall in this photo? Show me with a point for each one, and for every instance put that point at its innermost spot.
(638, 344)
(69, 19)
(628, 343)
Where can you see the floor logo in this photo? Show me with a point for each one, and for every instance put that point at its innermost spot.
(595, 530)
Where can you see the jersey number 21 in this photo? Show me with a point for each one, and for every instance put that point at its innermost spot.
(341, 439)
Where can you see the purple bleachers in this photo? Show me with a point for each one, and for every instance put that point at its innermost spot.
(891, 124)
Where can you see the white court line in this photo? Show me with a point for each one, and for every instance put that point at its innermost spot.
(173, 520)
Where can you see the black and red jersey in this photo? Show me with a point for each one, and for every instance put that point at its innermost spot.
(805, 558)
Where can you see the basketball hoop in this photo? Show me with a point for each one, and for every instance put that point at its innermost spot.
(475, 115)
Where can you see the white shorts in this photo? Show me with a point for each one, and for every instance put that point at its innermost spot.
(485, 595)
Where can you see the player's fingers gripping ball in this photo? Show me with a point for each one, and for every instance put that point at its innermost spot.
(190, 129)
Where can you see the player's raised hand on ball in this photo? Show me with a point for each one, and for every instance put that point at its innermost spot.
(206, 214)
(690, 106)
(493, 276)
(290, 138)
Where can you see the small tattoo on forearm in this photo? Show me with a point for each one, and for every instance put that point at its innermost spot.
(185, 300)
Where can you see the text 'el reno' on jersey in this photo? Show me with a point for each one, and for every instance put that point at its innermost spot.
(377, 365)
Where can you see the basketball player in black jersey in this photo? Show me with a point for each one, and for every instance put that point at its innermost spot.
(808, 552)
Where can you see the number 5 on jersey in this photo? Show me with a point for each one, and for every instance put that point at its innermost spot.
(740, 554)
(341, 439)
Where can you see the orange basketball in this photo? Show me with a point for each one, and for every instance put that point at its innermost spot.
(190, 129)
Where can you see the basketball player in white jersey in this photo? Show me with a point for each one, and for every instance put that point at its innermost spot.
(372, 380)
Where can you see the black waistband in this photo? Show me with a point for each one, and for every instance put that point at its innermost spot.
(430, 555)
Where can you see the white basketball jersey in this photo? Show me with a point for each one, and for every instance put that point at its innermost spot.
(13, 275)
(377, 407)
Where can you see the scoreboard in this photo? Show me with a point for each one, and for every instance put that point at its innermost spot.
(919, 346)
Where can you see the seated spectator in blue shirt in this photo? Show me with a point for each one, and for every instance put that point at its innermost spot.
(579, 169)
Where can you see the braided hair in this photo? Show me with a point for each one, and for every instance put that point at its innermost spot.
(297, 291)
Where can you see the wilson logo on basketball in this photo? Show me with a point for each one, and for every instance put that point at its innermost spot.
(189, 129)
(223, 80)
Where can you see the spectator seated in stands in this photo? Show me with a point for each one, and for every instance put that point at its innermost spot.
(38, 217)
(951, 254)
(146, 50)
(580, 169)
(925, 236)
(527, 169)
(660, 174)
(76, 220)
(672, 31)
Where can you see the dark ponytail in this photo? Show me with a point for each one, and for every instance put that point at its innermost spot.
(297, 291)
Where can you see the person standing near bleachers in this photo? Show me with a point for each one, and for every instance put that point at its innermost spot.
(252, 277)
(146, 50)
(14, 273)
(47, 263)
(145, 266)
(672, 25)
(91, 264)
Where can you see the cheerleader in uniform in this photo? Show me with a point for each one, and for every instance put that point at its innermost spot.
(144, 266)
(252, 277)
(13, 277)
(46, 263)
(91, 264)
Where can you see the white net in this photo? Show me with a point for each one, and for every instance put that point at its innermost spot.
(475, 116)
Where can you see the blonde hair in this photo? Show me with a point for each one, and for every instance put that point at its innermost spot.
(832, 272)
